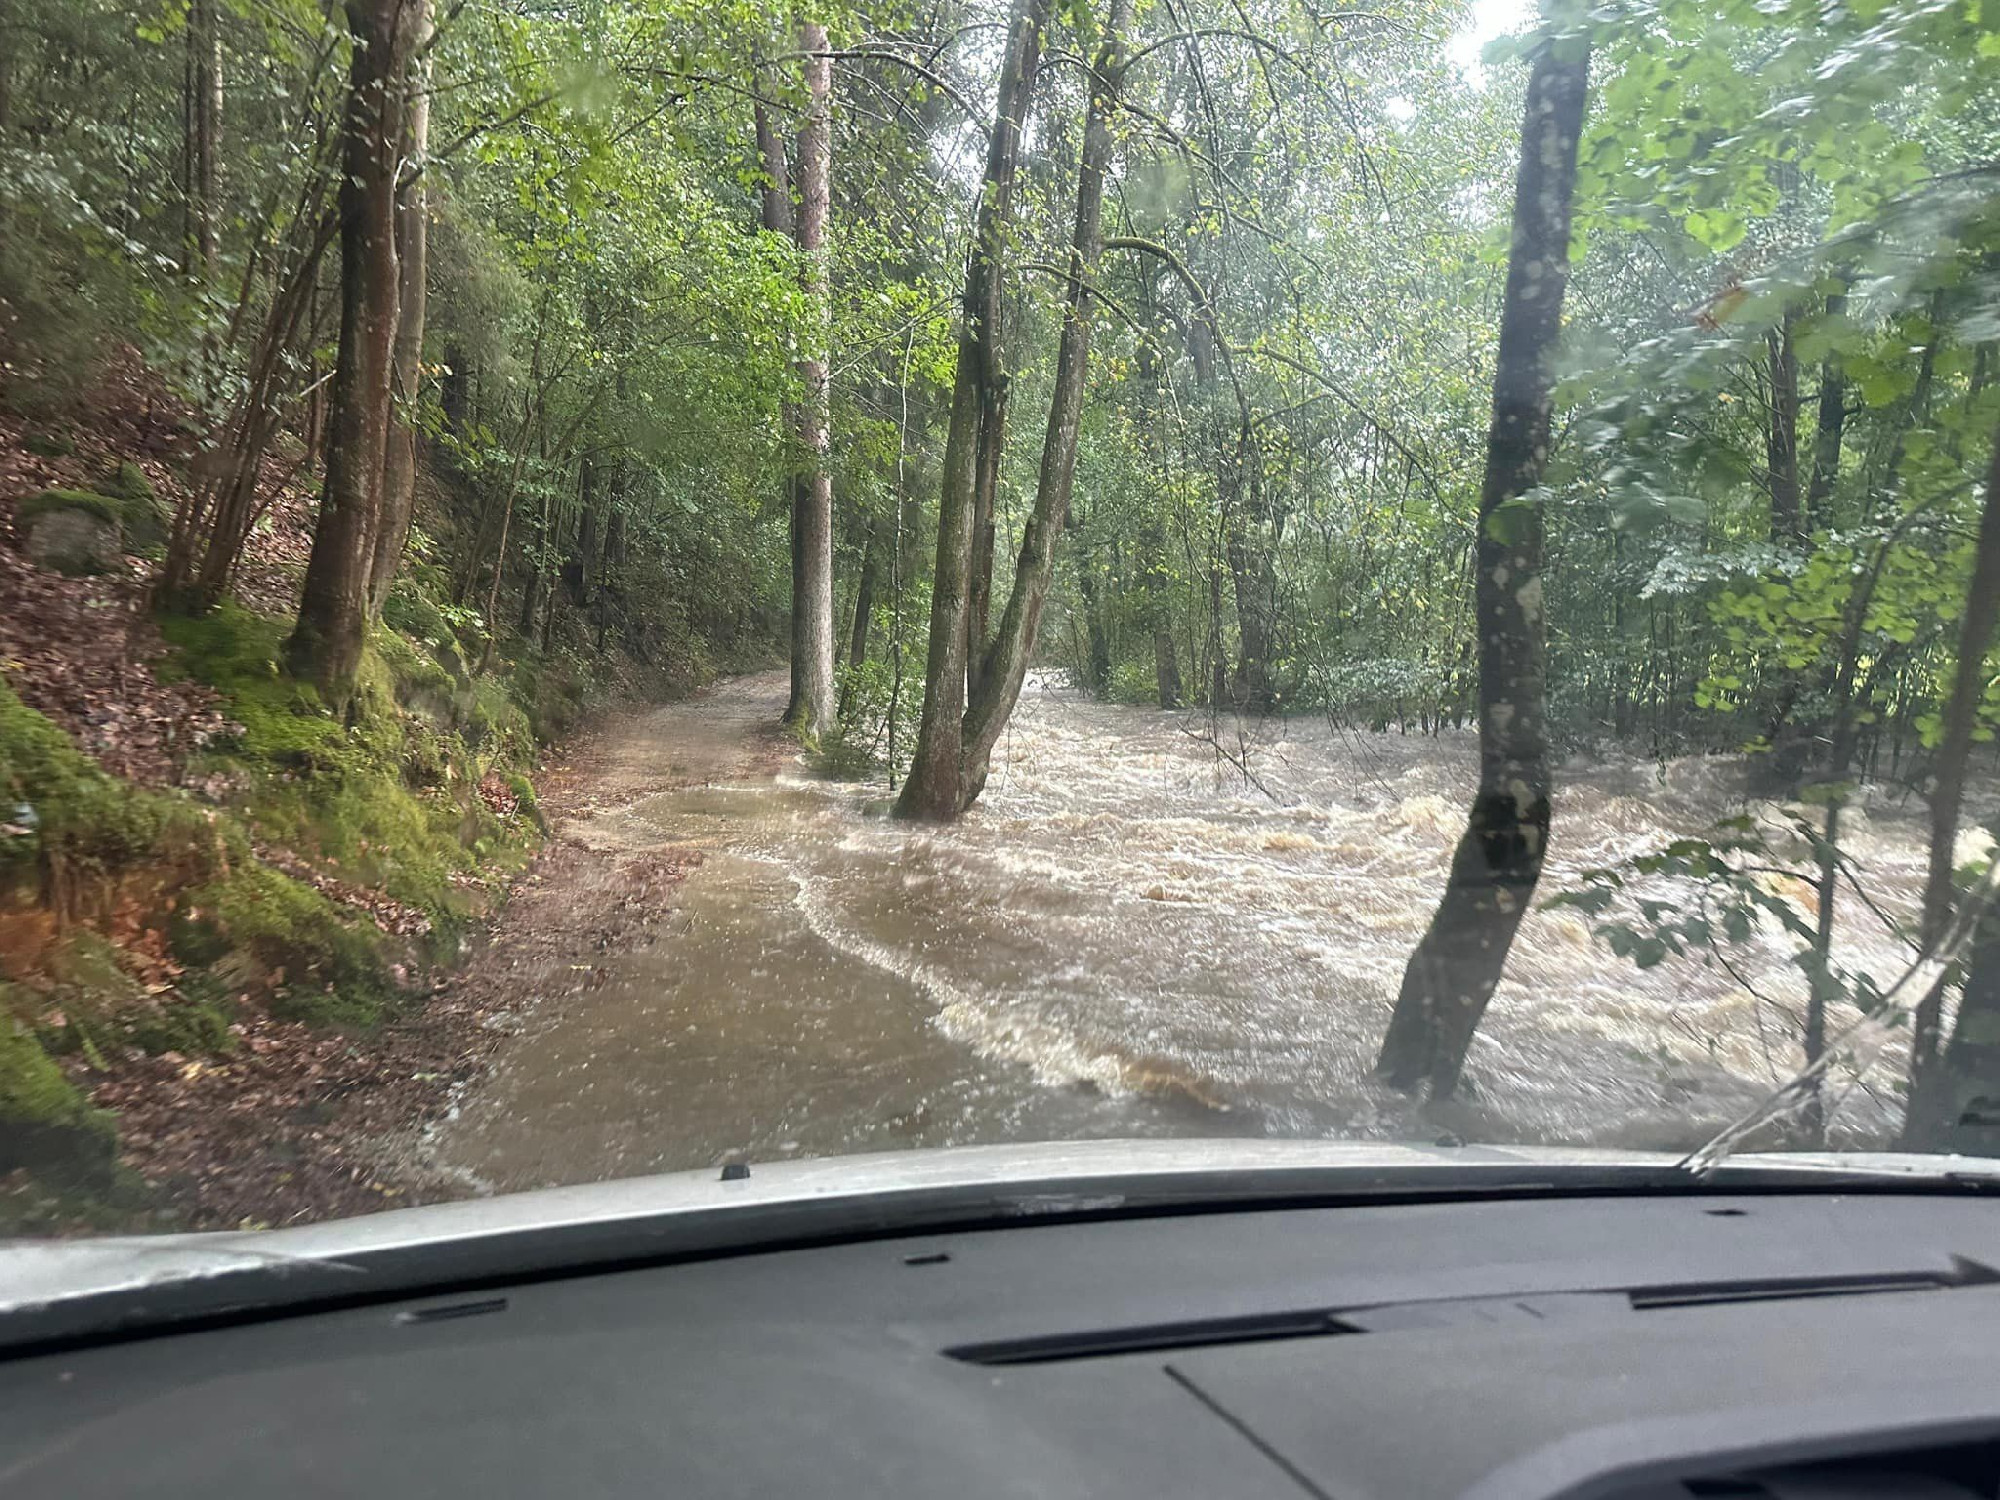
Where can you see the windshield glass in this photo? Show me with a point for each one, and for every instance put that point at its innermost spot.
(594, 591)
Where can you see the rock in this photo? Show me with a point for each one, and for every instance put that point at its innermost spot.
(144, 519)
(128, 482)
(73, 541)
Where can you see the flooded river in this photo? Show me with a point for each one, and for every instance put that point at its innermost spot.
(1124, 937)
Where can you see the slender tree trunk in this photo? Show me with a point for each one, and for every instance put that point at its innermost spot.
(399, 470)
(1829, 427)
(202, 102)
(1457, 964)
(812, 707)
(1961, 718)
(325, 647)
(1252, 573)
(1097, 662)
(776, 191)
(935, 785)
(1005, 664)
(455, 389)
(864, 600)
(1781, 434)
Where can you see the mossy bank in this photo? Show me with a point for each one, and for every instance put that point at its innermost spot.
(313, 863)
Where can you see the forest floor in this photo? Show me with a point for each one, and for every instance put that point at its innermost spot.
(303, 1124)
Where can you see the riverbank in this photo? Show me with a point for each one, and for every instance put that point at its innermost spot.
(223, 900)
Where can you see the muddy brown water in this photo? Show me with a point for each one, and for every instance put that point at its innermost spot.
(1123, 938)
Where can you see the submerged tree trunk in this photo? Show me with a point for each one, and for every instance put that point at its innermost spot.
(1457, 965)
(399, 470)
(1004, 666)
(935, 786)
(1955, 1101)
(1249, 548)
(812, 708)
(1961, 717)
(1097, 648)
(325, 646)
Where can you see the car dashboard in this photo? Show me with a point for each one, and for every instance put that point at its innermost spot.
(1788, 1344)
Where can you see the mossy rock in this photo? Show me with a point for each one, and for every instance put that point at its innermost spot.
(133, 513)
(46, 1125)
(146, 520)
(103, 507)
(414, 613)
(73, 540)
(128, 482)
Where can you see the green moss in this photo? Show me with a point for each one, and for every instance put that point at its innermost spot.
(49, 444)
(286, 726)
(385, 791)
(86, 965)
(134, 510)
(128, 482)
(327, 967)
(79, 818)
(101, 506)
(45, 1122)
(524, 790)
(104, 1009)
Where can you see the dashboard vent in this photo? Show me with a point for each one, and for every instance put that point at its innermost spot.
(1100, 1343)
(1963, 1273)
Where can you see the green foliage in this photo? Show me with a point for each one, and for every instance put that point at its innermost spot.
(44, 1118)
(1698, 897)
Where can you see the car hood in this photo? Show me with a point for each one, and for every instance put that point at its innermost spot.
(54, 1292)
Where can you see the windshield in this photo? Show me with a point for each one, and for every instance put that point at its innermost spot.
(595, 591)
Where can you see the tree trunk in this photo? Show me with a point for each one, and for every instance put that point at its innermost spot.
(812, 707)
(1961, 717)
(1829, 427)
(935, 786)
(1097, 663)
(776, 193)
(1955, 1101)
(325, 647)
(1005, 664)
(1781, 434)
(991, 448)
(202, 101)
(864, 600)
(1248, 548)
(399, 470)
(1457, 964)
